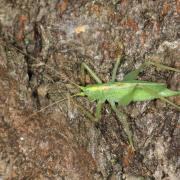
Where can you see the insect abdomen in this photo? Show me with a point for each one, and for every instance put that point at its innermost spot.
(153, 93)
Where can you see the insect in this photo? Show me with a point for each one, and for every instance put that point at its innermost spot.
(124, 92)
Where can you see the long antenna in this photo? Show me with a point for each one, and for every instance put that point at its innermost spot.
(49, 67)
(52, 104)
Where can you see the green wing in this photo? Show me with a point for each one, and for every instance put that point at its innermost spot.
(144, 92)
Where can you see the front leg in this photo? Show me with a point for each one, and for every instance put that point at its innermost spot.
(84, 67)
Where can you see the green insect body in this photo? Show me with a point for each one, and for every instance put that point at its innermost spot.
(125, 92)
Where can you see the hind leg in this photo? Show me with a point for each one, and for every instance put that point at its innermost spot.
(134, 74)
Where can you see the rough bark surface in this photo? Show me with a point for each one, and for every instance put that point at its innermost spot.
(42, 45)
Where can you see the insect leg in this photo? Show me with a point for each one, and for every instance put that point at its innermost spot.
(98, 110)
(98, 80)
(123, 119)
(114, 72)
(84, 67)
(162, 66)
(85, 111)
(133, 74)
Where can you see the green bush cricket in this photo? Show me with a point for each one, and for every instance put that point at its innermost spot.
(123, 92)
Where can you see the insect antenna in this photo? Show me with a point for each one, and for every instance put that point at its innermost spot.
(56, 102)
(61, 100)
